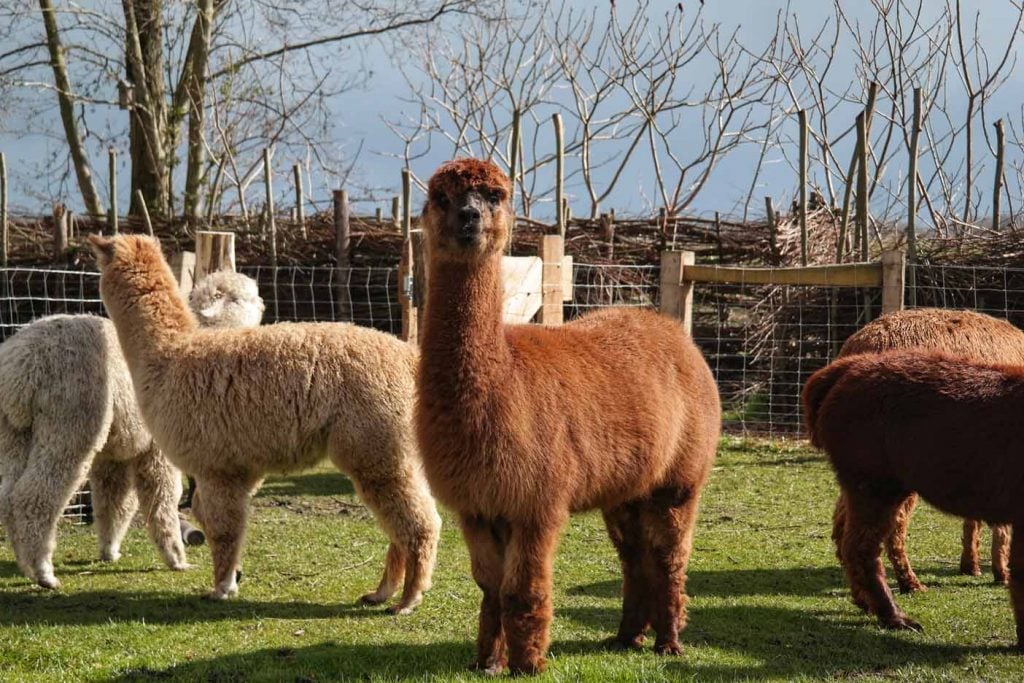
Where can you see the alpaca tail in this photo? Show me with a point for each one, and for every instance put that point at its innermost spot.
(816, 390)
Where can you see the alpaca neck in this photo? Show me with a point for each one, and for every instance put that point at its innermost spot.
(154, 320)
(463, 334)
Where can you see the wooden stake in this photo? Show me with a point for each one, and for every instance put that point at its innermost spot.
(141, 201)
(842, 243)
(915, 137)
(300, 210)
(112, 174)
(997, 189)
(4, 230)
(559, 174)
(802, 116)
(341, 253)
(862, 186)
(396, 215)
(268, 177)
(773, 230)
(60, 231)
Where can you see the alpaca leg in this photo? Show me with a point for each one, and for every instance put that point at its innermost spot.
(625, 528)
(1017, 585)
(486, 540)
(670, 517)
(37, 498)
(394, 574)
(869, 520)
(896, 547)
(403, 506)
(113, 504)
(222, 507)
(969, 562)
(838, 532)
(1001, 552)
(526, 594)
(158, 484)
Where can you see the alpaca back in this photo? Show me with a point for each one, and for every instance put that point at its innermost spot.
(270, 398)
(599, 411)
(924, 421)
(961, 333)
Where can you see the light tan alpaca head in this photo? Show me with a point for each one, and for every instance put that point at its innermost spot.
(226, 299)
(132, 269)
(468, 211)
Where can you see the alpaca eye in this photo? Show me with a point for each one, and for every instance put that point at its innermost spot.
(441, 201)
(494, 197)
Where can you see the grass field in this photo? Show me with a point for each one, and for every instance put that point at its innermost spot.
(768, 600)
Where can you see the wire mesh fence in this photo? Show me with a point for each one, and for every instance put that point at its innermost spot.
(761, 341)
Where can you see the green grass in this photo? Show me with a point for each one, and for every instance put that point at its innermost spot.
(767, 598)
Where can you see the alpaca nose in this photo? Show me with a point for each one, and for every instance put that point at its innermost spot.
(469, 216)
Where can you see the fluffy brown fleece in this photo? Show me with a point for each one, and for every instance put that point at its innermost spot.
(232, 405)
(961, 333)
(522, 425)
(892, 423)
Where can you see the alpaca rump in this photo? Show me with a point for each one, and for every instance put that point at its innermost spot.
(230, 406)
(67, 411)
(520, 426)
(961, 333)
(899, 422)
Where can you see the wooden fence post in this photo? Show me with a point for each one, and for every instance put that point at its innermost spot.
(915, 135)
(341, 253)
(552, 249)
(802, 117)
(407, 266)
(396, 212)
(559, 175)
(300, 210)
(4, 233)
(998, 183)
(214, 251)
(60, 231)
(677, 293)
(183, 265)
(894, 265)
(112, 175)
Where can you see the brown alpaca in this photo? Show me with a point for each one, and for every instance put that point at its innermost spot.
(232, 405)
(522, 425)
(898, 422)
(961, 333)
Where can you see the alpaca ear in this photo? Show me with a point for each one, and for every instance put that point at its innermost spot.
(102, 249)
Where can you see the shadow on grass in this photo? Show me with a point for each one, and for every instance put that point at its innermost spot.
(311, 484)
(787, 643)
(792, 581)
(101, 607)
(325, 661)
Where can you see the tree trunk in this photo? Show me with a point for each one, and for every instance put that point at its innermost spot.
(196, 64)
(147, 133)
(67, 113)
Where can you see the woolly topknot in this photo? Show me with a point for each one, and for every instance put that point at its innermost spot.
(459, 175)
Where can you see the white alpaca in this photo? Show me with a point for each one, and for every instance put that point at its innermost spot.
(68, 412)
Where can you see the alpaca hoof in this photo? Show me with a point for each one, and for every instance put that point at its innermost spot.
(48, 582)
(903, 623)
(110, 555)
(1002, 578)
(182, 566)
(670, 648)
(490, 668)
(915, 586)
(616, 643)
(970, 568)
(218, 594)
(528, 668)
(372, 599)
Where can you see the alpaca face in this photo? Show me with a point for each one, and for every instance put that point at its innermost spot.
(226, 299)
(468, 211)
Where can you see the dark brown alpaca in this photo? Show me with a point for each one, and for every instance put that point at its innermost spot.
(898, 422)
(961, 333)
(522, 425)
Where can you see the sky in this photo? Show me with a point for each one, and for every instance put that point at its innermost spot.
(360, 118)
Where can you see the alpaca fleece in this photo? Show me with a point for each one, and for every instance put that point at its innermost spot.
(898, 422)
(520, 426)
(67, 411)
(230, 406)
(961, 333)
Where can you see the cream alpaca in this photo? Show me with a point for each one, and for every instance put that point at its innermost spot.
(230, 406)
(68, 411)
